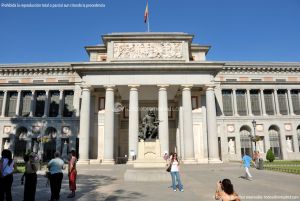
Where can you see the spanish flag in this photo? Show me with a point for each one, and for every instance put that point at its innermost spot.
(146, 13)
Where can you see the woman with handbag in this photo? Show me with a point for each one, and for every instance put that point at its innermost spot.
(174, 170)
(6, 175)
(72, 174)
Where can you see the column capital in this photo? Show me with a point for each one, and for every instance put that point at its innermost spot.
(210, 87)
(162, 86)
(186, 87)
(85, 87)
(110, 87)
(19, 90)
(133, 86)
(33, 91)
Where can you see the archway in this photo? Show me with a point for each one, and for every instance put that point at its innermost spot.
(274, 136)
(20, 142)
(49, 141)
(246, 144)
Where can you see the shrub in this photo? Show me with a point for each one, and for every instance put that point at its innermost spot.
(270, 156)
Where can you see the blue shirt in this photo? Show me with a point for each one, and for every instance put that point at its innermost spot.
(6, 168)
(246, 161)
(56, 165)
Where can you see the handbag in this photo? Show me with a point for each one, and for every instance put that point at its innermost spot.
(169, 168)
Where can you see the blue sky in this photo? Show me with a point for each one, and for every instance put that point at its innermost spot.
(237, 30)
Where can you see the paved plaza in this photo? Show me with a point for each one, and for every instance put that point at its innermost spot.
(96, 182)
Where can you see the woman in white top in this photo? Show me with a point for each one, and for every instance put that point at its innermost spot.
(6, 175)
(175, 173)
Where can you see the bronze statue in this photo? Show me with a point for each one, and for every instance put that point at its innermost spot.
(149, 129)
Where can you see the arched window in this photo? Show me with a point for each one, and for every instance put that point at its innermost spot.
(246, 146)
(274, 136)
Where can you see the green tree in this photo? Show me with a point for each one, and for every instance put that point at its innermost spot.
(270, 156)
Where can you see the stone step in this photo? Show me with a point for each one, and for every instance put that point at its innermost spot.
(147, 175)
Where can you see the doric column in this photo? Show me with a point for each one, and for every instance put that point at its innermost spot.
(18, 103)
(133, 130)
(188, 135)
(249, 103)
(262, 100)
(213, 152)
(4, 104)
(84, 133)
(277, 110)
(163, 132)
(46, 108)
(32, 103)
(61, 103)
(235, 112)
(290, 102)
(109, 126)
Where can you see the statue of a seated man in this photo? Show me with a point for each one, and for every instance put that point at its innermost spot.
(150, 126)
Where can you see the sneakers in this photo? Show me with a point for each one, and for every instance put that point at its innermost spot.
(174, 190)
(182, 190)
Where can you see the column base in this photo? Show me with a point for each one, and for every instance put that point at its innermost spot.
(108, 162)
(83, 162)
(189, 161)
(202, 161)
(95, 161)
(130, 162)
(214, 161)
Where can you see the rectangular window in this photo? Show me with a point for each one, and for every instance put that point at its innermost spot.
(241, 102)
(227, 102)
(255, 102)
(269, 102)
(54, 103)
(12, 103)
(295, 94)
(26, 102)
(282, 101)
(101, 103)
(40, 103)
(1, 100)
(194, 102)
(68, 103)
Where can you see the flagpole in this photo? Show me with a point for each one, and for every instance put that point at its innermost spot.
(148, 21)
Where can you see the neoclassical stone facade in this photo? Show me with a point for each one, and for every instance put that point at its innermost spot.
(205, 108)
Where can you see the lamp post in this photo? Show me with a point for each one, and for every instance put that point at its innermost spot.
(253, 137)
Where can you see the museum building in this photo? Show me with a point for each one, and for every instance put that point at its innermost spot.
(208, 111)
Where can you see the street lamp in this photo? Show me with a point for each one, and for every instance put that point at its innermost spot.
(253, 137)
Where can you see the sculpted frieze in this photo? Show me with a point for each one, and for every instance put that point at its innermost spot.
(148, 50)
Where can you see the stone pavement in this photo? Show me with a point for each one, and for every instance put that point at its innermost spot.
(96, 182)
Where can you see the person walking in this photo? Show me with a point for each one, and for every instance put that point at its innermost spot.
(225, 191)
(246, 161)
(55, 167)
(174, 162)
(72, 173)
(6, 175)
(30, 177)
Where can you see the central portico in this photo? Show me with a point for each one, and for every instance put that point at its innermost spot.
(133, 72)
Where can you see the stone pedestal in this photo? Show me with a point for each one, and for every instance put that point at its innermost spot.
(149, 155)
